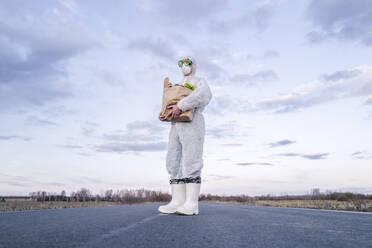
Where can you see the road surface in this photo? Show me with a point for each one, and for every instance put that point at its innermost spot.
(217, 225)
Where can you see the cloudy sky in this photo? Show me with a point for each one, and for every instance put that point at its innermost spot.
(81, 87)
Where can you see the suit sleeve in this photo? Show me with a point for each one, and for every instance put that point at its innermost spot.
(199, 97)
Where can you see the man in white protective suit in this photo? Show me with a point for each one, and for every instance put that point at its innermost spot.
(185, 148)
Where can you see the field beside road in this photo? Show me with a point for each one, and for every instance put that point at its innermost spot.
(357, 205)
(27, 204)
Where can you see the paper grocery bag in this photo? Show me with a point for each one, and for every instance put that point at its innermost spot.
(172, 95)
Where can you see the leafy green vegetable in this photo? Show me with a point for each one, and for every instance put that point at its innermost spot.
(190, 86)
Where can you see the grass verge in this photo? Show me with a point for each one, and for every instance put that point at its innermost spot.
(22, 205)
(360, 205)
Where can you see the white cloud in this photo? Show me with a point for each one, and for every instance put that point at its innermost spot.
(139, 136)
(314, 156)
(362, 155)
(70, 5)
(281, 143)
(252, 79)
(269, 54)
(355, 82)
(35, 45)
(340, 19)
(118, 147)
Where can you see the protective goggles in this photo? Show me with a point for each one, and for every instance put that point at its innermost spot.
(186, 61)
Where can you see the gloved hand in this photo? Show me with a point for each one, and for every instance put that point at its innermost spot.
(162, 117)
(175, 111)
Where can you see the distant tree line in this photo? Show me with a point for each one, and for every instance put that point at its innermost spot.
(143, 195)
(315, 194)
(85, 195)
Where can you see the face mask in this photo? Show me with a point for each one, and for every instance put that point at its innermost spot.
(186, 69)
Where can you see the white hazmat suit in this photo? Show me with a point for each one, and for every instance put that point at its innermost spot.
(185, 148)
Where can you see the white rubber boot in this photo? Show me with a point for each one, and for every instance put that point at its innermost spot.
(178, 198)
(191, 206)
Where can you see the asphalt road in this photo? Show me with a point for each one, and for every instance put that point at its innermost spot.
(216, 226)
